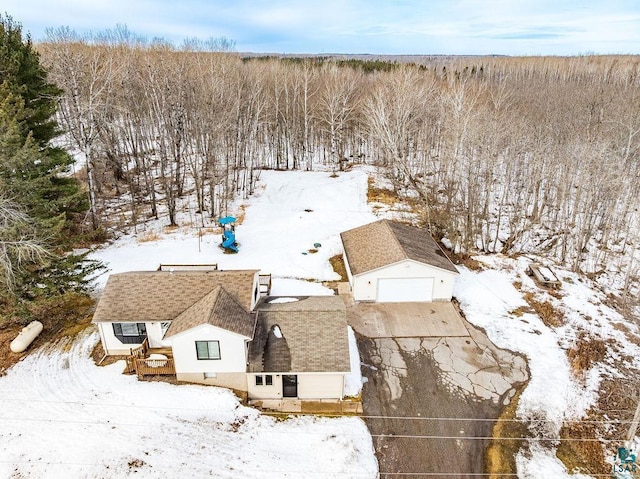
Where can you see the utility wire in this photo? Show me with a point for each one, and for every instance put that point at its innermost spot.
(296, 473)
(332, 433)
(327, 415)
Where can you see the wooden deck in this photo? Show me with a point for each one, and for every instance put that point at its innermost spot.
(142, 365)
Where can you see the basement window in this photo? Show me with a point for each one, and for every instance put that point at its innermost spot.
(266, 380)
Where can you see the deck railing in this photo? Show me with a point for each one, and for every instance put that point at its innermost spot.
(154, 367)
(264, 280)
(139, 363)
(136, 353)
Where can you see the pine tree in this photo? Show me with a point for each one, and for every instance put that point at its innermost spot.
(32, 170)
(38, 196)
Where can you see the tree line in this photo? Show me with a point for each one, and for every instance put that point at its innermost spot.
(502, 154)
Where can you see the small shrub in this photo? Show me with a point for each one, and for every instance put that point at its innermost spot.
(550, 316)
(149, 237)
(337, 262)
(587, 351)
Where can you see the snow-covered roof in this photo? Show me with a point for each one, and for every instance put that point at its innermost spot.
(313, 338)
(384, 242)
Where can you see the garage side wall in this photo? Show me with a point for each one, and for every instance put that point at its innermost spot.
(365, 285)
(320, 386)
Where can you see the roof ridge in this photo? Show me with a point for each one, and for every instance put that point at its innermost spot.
(221, 289)
(393, 235)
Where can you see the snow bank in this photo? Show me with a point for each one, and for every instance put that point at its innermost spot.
(490, 300)
(353, 381)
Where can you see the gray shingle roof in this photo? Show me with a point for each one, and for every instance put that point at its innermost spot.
(164, 295)
(314, 336)
(217, 308)
(384, 242)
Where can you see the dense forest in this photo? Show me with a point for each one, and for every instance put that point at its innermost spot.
(507, 154)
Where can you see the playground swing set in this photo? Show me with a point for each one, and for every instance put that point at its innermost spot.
(228, 234)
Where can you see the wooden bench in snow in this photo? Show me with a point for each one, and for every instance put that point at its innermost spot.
(544, 275)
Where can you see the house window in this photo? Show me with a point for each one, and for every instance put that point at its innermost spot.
(130, 333)
(208, 349)
(266, 380)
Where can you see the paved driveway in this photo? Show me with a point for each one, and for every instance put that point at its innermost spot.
(428, 392)
(406, 320)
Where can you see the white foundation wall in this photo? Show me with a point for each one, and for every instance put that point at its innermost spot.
(264, 392)
(365, 285)
(237, 381)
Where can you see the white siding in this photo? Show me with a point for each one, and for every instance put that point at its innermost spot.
(112, 345)
(155, 334)
(264, 392)
(348, 268)
(310, 386)
(232, 351)
(365, 285)
(255, 292)
(321, 386)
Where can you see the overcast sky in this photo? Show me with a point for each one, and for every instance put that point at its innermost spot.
(511, 27)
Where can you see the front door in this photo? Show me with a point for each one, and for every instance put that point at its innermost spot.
(289, 386)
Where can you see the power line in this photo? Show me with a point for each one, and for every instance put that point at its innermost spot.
(333, 433)
(297, 472)
(327, 415)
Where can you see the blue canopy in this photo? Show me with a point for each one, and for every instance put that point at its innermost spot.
(226, 220)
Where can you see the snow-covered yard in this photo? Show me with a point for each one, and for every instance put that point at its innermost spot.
(494, 299)
(62, 416)
(289, 213)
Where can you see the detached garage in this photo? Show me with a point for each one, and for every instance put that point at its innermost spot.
(390, 262)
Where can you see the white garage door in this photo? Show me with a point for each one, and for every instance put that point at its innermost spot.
(394, 290)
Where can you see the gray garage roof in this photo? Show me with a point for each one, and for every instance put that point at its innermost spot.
(312, 336)
(385, 242)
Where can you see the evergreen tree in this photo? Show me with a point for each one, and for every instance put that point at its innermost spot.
(38, 196)
(31, 170)
(27, 79)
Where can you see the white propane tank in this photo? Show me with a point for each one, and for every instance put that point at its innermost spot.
(26, 336)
